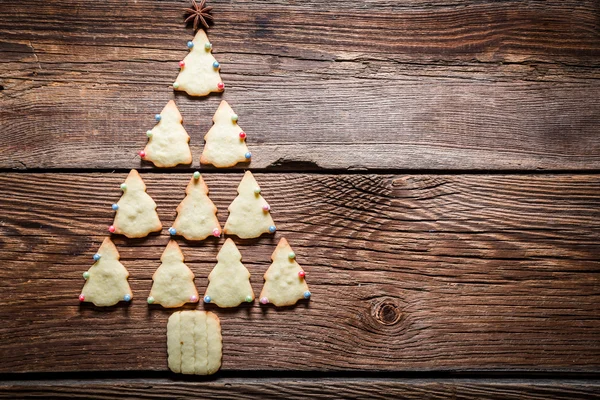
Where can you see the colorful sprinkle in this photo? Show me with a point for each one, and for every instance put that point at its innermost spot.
(123, 186)
(193, 299)
(142, 153)
(127, 297)
(86, 275)
(111, 229)
(242, 135)
(216, 64)
(257, 190)
(190, 44)
(172, 231)
(196, 175)
(181, 64)
(234, 118)
(264, 300)
(307, 295)
(216, 232)
(248, 155)
(157, 117)
(220, 86)
(292, 255)
(149, 134)
(150, 300)
(115, 207)
(301, 274)
(272, 229)
(96, 257)
(207, 299)
(175, 85)
(208, 46)
(266, 207)
(248, 299)
(81, 297)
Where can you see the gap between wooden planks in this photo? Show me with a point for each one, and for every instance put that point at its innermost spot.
(407, 272)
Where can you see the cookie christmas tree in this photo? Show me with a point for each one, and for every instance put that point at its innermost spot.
(249, 213)
(225, 141)
(168, 142)
(199, 74)
(229, 281)
(136, 213)
(173, 281)
(106, 280)
(284, 280)
(196, 214)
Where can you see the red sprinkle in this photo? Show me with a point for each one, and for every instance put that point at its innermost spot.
(142, 154)
(111, 229)
(182, 63)
(243, 135)
(81, 297)
(301, 274)
(220, 86)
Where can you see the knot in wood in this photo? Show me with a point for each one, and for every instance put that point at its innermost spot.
(387, 312)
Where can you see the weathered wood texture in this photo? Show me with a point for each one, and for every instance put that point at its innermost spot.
(407, 273)
(301, 388)
(345, 85)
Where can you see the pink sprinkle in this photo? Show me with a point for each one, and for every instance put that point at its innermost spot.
(220, 86)
(301, 274)
(181, 64)
(193, 299)
(264, 300)
(242, 135)
(111, 229)
(266, 207)
(142, 154)
(81, 298)
(216, 232)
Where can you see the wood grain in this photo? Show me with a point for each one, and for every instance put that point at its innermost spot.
(301, 388)
(411, 272)
(421, 85)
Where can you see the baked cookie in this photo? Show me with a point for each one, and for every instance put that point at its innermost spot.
(106, 280)
(136, 213)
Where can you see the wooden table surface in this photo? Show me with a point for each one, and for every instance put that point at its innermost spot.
(435, 165)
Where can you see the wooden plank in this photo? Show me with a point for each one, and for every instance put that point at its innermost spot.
(484, 85)
(411, 272)
(319, 388)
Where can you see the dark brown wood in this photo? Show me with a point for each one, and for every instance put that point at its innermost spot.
(306, 388)
(410, 272)
(337, 85)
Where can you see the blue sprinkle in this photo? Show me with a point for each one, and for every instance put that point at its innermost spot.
(157, 117)
(96, 257)
(190, 44)
(207, 299)
(248, 155)
(172, 231)
(216, 64)
(272, 229)
(127, 297)
(307, 295)
(115, 207)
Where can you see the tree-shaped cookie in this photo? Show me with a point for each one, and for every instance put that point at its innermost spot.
(168, 142)
(229, 281)
(106, 280)
(173, 281)
(284, 280)
(225, 141)
(199, 74)
(196, 214)
(136, 213)
(249, 213)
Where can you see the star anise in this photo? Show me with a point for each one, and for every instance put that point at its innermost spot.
(199, 13)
